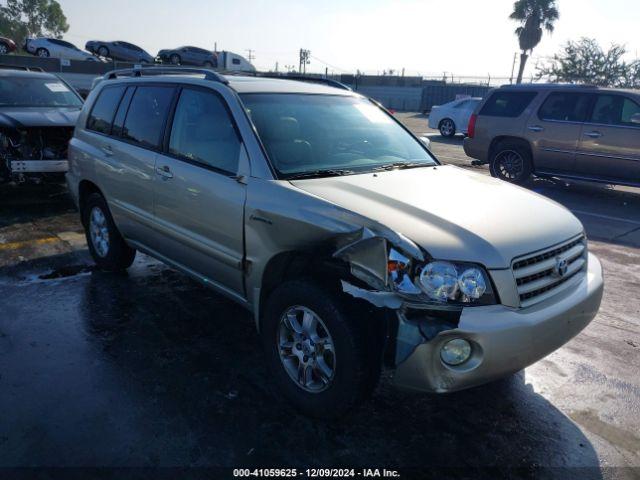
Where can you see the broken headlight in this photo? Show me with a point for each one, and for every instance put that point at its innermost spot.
(440, 281)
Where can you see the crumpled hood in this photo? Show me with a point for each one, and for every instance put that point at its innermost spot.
(17, 117)
(452, 213)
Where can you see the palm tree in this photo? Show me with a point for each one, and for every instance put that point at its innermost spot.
(533, 16)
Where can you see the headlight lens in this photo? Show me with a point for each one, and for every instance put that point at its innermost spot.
(448, 281)
(439, 280)
(472, 283)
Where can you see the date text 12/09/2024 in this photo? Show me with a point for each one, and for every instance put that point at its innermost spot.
(316, 472)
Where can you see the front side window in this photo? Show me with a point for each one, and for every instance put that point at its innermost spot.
(104, 109)
(307, 135)
(147, 114)
(203, 132)
(507, 104)
(36, 92)
(566, 107)
(614, 110)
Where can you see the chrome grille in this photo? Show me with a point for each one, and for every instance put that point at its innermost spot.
(542, 274)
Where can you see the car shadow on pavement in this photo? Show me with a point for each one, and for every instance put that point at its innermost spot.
(149, 368)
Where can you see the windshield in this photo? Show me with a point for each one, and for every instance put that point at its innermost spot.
(36, 92)
(307, 135)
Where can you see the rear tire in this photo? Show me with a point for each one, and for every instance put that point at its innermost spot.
(355, 368)
(207, 65)
(511, 161)
(4, 48)
(447, 128)
(107, 247)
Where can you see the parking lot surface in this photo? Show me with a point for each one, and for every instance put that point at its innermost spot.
(149, 368)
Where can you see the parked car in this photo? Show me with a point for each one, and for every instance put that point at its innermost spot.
(568, 131)
(37, 114)
(7, 45)
(188, 56)
(119, 50)
(453, 117)
(56, 48)
(316, 210)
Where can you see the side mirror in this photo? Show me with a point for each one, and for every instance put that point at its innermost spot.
(635, 118)
(426, 142)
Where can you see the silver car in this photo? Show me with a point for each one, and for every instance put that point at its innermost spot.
(352, 246)
(119, 50)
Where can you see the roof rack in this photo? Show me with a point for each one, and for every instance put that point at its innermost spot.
(4, 66)
(139, 72)
(300, 78)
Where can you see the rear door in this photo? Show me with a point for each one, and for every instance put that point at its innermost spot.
(555, 129)
(610, 142)
(137, 130)
(199, 202)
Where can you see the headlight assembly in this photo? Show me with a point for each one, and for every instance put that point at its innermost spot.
(440, 281)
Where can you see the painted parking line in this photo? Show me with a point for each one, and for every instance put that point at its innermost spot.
(606, 217)
(28, 243)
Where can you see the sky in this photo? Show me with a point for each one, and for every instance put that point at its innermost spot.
(426, 37)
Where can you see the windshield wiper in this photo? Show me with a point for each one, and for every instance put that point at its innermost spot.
(399, 165)
(330, 172)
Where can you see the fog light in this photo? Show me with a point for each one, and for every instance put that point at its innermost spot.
(455, 352)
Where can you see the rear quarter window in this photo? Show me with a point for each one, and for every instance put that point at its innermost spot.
(507, 104)
(104, 109)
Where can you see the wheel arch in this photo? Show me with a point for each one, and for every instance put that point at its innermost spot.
(86, 188)
(298, 264)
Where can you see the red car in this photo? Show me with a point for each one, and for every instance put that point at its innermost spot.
(7, 46)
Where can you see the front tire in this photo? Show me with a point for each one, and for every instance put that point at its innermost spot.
(103, 51)
(511, 162)
(175, 59)
(107, 247)
(43, 52)
(4, 49)
(320, 355)
(447, 128)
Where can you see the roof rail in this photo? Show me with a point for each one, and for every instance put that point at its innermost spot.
(139, 72)
(4, 66)
(306, 78)
(300, 78)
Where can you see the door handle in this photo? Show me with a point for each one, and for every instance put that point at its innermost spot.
(107, 150)
(593, 134)
(164, 172)
(536, 128)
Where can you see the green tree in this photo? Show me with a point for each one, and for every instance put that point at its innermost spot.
(20, 19)
(585, 61)
(533, 16)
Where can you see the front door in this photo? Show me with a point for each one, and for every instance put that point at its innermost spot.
(610, 141)
(555, 129)
(199, 203)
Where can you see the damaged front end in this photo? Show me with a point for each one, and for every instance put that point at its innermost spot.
(425, 298)
(34, 154)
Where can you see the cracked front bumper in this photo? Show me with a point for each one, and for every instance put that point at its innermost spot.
(504, 340)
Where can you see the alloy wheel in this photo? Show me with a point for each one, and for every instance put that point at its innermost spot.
(509, 165)
(447, 128)
(99, 231)
(306, 349)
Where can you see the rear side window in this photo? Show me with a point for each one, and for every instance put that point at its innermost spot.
(203, 131)
(118, 121)
(566, 107)
(507, 104)
(614, 110)
(104, 109)
(146, 116)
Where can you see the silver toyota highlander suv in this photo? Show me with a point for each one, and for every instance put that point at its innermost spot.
(353, 247)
